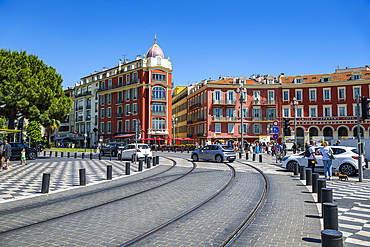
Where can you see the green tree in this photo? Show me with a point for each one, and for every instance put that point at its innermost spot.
(33, 129)
(30, 88)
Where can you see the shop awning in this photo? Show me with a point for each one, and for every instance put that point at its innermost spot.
(8, 131)
(123, 135)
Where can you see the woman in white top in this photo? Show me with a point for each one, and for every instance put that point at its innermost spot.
(326, 160)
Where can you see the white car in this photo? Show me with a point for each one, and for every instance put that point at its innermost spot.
(128, 151)
(346, 160)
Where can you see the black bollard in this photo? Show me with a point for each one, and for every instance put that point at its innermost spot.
(109, 172)
(44, 153)
(366, 163)
(326, 195)
(82, 172)
(68, 154)
(168, 149)
(240, 155)
(157, 160)
(76, 155)
(133, 158)
(127, 168)
(321, 183)
(56, 154)
(50, 153)
(148, 163)
(331, 238)
(140, 165)
(154, 161)
(162, 149)
(99, 156)
(188, 150)
(61, 154)
(45, 183)
(121, 156)
(182, 150)
(146, 159)
(91, 156)
(110, 154)
(83, 155)
(174, 149)
(246, 155)
(315, 177)
(295, 168)
(308, 176)
(254, 157)
(302, 173)
(260, 158)
(330, 216)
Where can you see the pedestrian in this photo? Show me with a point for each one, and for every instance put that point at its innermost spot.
(338, 143)
(273, 149)
(326, 160)
(312, 158)
(294, 148)
(7, 153)
(23, 156)
(1, 155)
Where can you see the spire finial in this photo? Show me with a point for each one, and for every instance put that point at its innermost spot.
(155, 38)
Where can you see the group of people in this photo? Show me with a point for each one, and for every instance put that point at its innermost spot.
(326, 153)
(6, 154)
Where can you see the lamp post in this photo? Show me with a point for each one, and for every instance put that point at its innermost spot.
(241, 91)
(174, 121)
(295, 104)
(85, 135)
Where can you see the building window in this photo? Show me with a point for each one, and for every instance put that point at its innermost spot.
(134, 93)
(327, 111)
(298, 94)
(217, 112)
(158, 108)
(298, 81)
(102, 127)
(285, 95)
(127, 109)
(230, 128)
(127, 94)
(134, 109)
(256, 96)
(109, 127)
(271, 97)
(127, 125)
(341, 93)
(109, 98)
(119, 126)
(127, 78)
(133, 124)
(342, 111)
(230, 112)
(102, 113)
(158, 93)
(217, 95)
(326, 94)
(109, 83)
(299, 112)
(158, 77)
(135, 77)
(257, 128)
(230, 95)
(286, 112)
(256, 112)
(356, 91)
(313, 95)
(102, 99)
(109, 112)
(158, 123)
(245, 129)
(218, 128)
(120, 81)
(313, 112)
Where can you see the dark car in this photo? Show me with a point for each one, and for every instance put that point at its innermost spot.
(111, 147)
(17, 148)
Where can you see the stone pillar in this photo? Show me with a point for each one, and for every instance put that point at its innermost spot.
(306, 137)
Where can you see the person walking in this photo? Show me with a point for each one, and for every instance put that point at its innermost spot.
(326, 160)
(312, 158)
(7, 153)
(23, 156)
(1, 155)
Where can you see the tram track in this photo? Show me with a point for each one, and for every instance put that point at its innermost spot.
(104, 203)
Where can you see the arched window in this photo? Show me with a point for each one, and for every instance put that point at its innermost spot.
(342, 131)
(314, 132)
(158, 123)
(158, 93)
(355, 132)
(328, 132)
(158, 60)
(300, 132)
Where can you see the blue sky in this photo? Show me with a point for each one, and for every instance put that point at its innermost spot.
(202, 38)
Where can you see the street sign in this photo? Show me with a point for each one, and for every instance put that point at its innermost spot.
(276, 136)
(275, 123)
(275, 129)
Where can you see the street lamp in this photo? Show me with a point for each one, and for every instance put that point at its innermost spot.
(241, 91)
(174, 121)
(295, 104)
(85, 141)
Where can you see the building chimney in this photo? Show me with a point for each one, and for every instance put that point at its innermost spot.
(119, 64)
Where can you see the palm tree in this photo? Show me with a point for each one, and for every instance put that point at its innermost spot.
(50, 129)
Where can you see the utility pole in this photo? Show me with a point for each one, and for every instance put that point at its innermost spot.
(359, 140)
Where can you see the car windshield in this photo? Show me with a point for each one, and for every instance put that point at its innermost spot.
(121, 144)
(143, 146)
(227, 148)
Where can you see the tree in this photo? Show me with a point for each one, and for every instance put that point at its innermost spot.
(30, 88)
(33, 129)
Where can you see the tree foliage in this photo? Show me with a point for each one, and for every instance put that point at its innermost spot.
(31, 89)
(34, 129)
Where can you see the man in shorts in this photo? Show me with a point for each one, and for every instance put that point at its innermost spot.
(7, 153)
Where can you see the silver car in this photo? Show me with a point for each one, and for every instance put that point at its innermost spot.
(214, 152)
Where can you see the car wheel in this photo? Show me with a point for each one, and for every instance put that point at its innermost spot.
(347, 169)
(114, 153)
(290, 165)
(218, 158)
(102, 153)
(195, 157)
(32, 156)
(119, 156)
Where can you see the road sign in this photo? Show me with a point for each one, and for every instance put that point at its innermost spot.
(275, 123)
(275, 129)
(276, 136)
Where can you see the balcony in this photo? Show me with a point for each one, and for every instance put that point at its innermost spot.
(80, 118)
(158, 113)
(159, 99)
(200, 134)
(158, 132)
(230, 118)
(230, 102)
(118, 115)
(134, 82)
(264, 102)
(224, 118)
(196, 105)
(80, 108)
(200, 119)
(88, 118)
(271, 118)
(88, 107)
(83, 94)
(224, 102)
(189, 122)
(119, 85)
(105, 88)
(217, 118)
(119, 101)
(189, 135)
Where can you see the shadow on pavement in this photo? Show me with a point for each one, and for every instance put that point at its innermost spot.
(312, 240)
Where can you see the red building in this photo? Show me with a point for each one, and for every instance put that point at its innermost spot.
(136, 92)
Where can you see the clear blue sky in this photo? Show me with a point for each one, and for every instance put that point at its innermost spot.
(203, 38)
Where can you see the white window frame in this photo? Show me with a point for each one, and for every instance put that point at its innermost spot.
(286, 91)
(345, 109)
(344, 93)
(325, 107)
(109, 127)
(119, 122)
(323, 93)
(259, 128)
(288, 109)
(354, 105)
(355, 87)
(228, 128)
(109, 112)
(312, 107)
(218, 124)
(102, 127)
(135, 108)
(300, 107)
(296, 94)
(313, 90)
(127, 125)
(102, 113)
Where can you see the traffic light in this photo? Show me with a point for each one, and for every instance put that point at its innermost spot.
(286, 123)
(365, 108)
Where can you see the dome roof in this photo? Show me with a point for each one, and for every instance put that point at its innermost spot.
(155, 50)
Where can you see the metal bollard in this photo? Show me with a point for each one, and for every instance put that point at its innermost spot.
(140, 165)
(56, 154)
(260, 158)
(110, 154)
(302, 174)
(44, 153)
(133, 158)
(240, 155)
(188, 150)
(99, 156)
(68, 154)
(148, 163)
(315, 177)
(127, 168)
(168, 150)
(367, 163)
(45, 183)
(330, 216)
(83, 155)
(109, 172)
(246, 155)
(296, 168)
(154, 160)
(308, 176)
(121, 156)
(76, 155)
(254, 157)
(146, 159)
(157, 160)
(61, 154)
(174, 149)
(50, 153)
(82, 173)
(321, 183)
(331, 238)
(326, 195)
(182, 150)
(91, 156)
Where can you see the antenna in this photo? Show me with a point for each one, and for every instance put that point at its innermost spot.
(124, 57)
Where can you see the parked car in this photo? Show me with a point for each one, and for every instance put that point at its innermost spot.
(216, 153)
(17, 148)
(129, 150)
(346, 160)
(111, 147)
